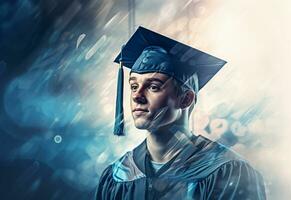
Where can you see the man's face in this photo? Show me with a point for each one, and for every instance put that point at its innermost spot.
(154, 100)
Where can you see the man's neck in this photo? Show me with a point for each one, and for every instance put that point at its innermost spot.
(165, 143)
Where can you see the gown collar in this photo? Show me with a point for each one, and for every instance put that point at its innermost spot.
(185, 149)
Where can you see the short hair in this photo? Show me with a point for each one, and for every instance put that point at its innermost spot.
(181, 88)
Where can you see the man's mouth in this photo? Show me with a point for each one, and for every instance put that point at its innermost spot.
(139, 111)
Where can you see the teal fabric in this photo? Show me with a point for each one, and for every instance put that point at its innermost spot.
(157, 166)
(119, 115)
(203, 170)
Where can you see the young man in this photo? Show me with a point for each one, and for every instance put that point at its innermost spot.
(172, 162)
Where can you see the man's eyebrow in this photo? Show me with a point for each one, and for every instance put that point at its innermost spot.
(155, 79)
(131, 79)
(148, 80)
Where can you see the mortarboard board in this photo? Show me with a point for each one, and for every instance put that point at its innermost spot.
(147, 51)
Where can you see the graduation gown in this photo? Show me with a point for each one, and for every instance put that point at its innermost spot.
(203, 169)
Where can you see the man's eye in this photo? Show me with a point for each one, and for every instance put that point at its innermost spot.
(154, 88)
(133, 87)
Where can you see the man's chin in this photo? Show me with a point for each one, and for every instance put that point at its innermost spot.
(146, 125)
(141, 124)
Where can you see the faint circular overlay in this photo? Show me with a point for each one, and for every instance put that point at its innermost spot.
(58, 139)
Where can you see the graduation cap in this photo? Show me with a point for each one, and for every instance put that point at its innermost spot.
(147, 51)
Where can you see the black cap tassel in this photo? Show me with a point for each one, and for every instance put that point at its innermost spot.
(119, 115)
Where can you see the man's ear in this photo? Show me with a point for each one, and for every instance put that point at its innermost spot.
(187, 99)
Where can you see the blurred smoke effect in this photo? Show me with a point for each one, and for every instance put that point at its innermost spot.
(57, 82)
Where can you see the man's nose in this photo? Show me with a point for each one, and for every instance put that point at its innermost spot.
(139, 97)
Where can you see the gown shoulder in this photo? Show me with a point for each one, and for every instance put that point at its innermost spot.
(235, 179)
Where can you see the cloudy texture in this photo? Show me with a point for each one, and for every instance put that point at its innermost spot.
(58, 81)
